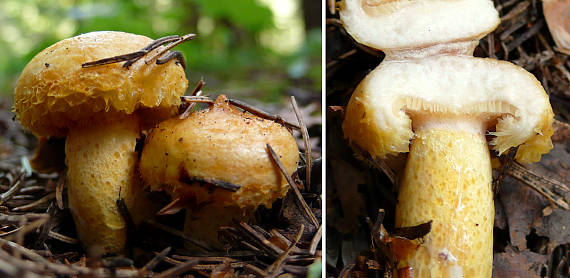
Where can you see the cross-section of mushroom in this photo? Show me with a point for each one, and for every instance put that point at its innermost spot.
(445, 105)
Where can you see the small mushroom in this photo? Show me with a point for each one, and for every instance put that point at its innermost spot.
(557, 14)
(430, 92)
(419, 28)
(100, 110)
(215, 164)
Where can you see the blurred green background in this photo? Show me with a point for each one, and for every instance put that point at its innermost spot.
(262, 49)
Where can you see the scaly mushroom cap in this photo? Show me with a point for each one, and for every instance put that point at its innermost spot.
(405, 24)
(378, 116)
(54, 91)
(219, 145)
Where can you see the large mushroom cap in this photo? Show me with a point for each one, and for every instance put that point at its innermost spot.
(405, 24)
(54, 91)
(221, 145)
(378, 114)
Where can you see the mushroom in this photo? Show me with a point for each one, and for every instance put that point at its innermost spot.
(557, 14)
(100, 110)
(215, 164)
(403, 28)
(430, 90)
(445, 105)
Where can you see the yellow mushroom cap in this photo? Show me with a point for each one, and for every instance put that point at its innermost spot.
(378, 114)
(404, 24)
(54, 91)
(221, 144)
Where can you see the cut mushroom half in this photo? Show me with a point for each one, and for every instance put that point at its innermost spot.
(446, 105)
(396, 25)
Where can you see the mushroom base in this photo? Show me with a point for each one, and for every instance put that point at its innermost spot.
(101, 166)
(203, 223)
(448, 180)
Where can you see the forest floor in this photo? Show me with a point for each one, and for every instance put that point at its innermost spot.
(38, 237)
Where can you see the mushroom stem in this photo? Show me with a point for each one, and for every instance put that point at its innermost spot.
(101, 160)
(200, 225)
(448, 180)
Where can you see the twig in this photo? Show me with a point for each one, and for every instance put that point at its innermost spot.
(32, 189)
(525, 36)
(507, 161)
(340, 58)
(505, 34)
(293, 185)
(275, 268)
(260, 113)
(198, 99)
(155, 44)
(23, 250)
(33, 205)
(315, 241)
(215, 182)
(213, 259)
(130, 224)
(177, 270)
(6, 234)
(63, 238)
(505, 4)
(377, 163)
(347, 270)
(131, 58)
(531, 179)
(256, 236)
(284, 241)
(169, 46)
(211, 267)
(196, 92)
(14, 188)
(491, 43)
(258, 271)
(59, 195)
(114, 59)
(156, 260)
(47, 267)
(413, 232)
(172, 55)
(521, 7)
(171, 208)
(16, 219)
(172, 261)
(305, 134)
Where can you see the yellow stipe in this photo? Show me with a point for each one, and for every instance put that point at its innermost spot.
(448, 180)
(101, 162)
(204, 223)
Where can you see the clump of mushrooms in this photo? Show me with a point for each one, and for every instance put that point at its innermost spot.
(100, 110)
(430, 93)
(216, 164)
